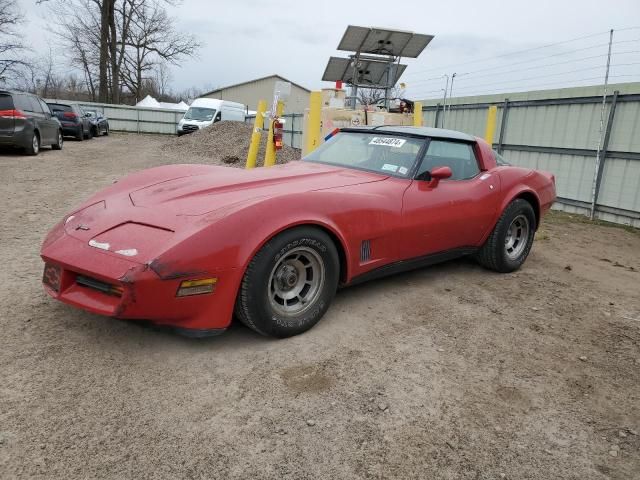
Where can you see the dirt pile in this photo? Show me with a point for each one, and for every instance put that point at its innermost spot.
(226, 143)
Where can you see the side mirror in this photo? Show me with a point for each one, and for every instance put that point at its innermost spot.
(439, 173)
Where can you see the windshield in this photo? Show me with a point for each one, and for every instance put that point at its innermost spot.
(374, 152)
(92, 113)
(200, 114)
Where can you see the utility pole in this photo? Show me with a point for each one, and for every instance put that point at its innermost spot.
(444, 101)
(599, 149)
(453, 77)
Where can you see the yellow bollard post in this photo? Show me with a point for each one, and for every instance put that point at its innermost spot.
(313, 124)
(270, 155)
(492, 116)
(255, 136)
(417, 114)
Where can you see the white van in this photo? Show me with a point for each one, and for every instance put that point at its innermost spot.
(206, 111)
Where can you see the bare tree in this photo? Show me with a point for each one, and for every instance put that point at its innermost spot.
(139, 37)
(375, 96)
(12, 49)
(152, 40)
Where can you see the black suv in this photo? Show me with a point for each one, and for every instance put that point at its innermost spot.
(75, 121)
(27, 122)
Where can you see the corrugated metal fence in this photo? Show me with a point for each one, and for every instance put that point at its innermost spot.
(561, 135)
(126, 118)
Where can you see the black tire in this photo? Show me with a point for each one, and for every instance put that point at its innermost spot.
(256, 304)
(59, 143)
(106, 130)
(499, 253)
(89, 135)
(94, 131)
(80, 134)
(34, 147)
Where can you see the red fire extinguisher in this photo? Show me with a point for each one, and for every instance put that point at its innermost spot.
(278, 130)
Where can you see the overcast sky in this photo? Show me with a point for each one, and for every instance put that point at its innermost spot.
(245, 39)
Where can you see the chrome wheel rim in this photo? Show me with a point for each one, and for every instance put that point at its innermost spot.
(296, 281)
(60, 140)
(517, 237)
(35, 144)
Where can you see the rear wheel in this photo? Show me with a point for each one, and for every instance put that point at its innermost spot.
(89, 135)
(80, 134)
(290, 283)
(509, 244)
(106, 129)
(59, 142)
(34, 147)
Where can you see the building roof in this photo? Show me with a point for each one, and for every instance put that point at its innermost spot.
(255, 80)
(419, 131)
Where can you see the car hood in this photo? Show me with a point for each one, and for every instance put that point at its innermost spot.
(217, 187)
(143, 214)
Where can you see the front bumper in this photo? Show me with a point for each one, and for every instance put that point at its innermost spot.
(102, 283)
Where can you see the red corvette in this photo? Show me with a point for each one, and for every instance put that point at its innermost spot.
(189, 246)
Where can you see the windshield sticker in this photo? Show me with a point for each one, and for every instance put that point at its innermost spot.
(388, 141)
(390, 168)
(403, 170)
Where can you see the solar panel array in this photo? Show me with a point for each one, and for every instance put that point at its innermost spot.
(369, 72)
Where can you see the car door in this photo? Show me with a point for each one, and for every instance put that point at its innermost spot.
(39, 118)
(52, 124)
(455, 213)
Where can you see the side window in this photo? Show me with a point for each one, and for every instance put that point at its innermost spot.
(45, 107)
(218, 116)
(22, 102)
(458, 156)
(35, 104)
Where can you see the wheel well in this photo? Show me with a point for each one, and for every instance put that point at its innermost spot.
(531, 198)
(342, 257)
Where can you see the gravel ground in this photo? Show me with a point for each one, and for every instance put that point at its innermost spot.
(450, 372)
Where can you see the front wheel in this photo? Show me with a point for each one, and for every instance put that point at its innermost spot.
(509, 244)
(290, 283)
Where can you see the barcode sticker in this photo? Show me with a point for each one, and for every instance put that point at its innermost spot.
(387, 142)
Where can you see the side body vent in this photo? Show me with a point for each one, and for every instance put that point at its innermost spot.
(365, 251)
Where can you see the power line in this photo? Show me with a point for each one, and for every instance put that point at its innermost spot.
(515, 52)
(548, 65)
(557, 84)
(496, 69)
(517, 80)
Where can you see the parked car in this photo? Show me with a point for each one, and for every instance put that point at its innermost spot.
(26, 122)
(206, 111)
(190, 246)
(75, 122)
(99, 123)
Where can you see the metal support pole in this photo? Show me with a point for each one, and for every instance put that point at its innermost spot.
(437, 115)
(444, 101)
(503, 124)
(293, 121)
(314, 123)
(453, 77)
(417, 114)
(604, 103)
(258, 123)
(490, 131)
(605, 146)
